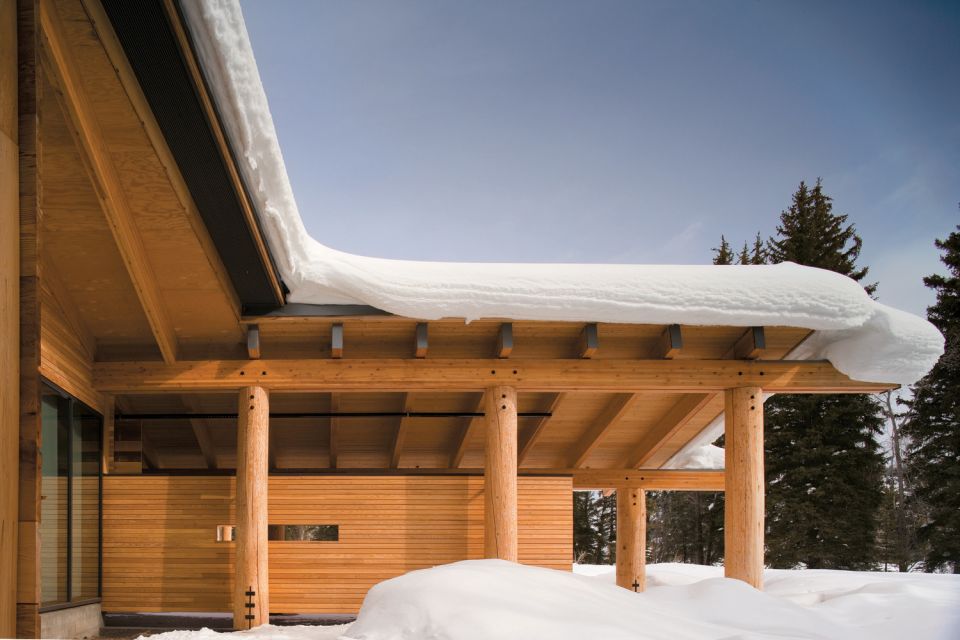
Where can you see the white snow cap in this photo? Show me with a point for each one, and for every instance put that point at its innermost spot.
(862, 338)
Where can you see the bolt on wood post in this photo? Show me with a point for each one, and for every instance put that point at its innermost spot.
(744, 507)
(250, 575)
(500, 474)
(632, 539)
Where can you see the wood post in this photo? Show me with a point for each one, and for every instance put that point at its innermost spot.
(500, 474)
(250, 583)
(9, 319)
(632, 539)
(744, 511)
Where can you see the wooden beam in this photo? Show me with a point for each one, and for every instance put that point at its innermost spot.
(744, 510)
(615, 410)
(421, 344)
(749, 346)
(660, 433)
(29, 87)
(505, 340)
(401, 433)
(336, 340)
(438, 374)
(456, 458)
(58, 61)
(250, 582)
(334, 427)
(253, 342)
(650, 479)
(500, 474)
(671, 342)
(632, 539)
(534, 433)
(589, 340)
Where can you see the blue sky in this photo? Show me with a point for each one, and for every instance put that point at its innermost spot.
(607, 131)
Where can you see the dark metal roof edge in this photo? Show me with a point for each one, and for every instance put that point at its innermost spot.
(217, 112)
(304, 310)
(148, 35)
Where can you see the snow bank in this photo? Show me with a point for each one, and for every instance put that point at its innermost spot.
(859, 603)
(497, 600)
(863, 339)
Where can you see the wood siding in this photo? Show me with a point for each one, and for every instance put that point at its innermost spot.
(160, 553)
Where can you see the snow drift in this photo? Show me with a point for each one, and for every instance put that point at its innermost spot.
(862, 338)
(497, 600)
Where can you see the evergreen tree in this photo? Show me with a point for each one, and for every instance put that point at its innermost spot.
(823, 460)
(759, 255)
(723, 253)
(810, 234)
(933, 423)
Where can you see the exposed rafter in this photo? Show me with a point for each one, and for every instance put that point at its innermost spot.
(58, 61)
(589, 341)
(749, 346)
(401, 433)
(615, 410)
(336, 340)
(421, 344)
(253, 342)
(658, 435)
(334, 427)
(505, 340)
(671, 341)
(533, 433)
(473, 424)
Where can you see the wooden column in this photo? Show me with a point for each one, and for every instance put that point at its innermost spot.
(250, 575)
(9, 319)
(500, 474)
(632, 539)
(744, 510)
(29, 167)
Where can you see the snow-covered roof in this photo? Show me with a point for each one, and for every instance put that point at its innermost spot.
(862, 338)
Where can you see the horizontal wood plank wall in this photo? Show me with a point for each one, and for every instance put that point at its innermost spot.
(65, 359)
(159, 543)
(160, 553)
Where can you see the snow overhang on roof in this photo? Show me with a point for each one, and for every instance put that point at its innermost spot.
(861, 337)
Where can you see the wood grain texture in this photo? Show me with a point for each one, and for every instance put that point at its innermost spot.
(435, 374)
(9, 318)
(60, 66)
(744, 511)
(28, 501)
(251, 573)
(608, 418)
(632, 539)
(160, 552)
(665, 428)
(500, 474)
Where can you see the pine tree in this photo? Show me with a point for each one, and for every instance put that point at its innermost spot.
(823, 460)
(759, 255)
(723, 253)
(933, 423)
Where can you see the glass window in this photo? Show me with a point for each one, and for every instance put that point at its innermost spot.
(70, 499)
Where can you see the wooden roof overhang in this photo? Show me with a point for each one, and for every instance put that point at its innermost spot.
(143, 306)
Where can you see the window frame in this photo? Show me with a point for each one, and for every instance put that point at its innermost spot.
(71, 403)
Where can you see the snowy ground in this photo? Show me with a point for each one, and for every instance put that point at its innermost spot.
(495, 600)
